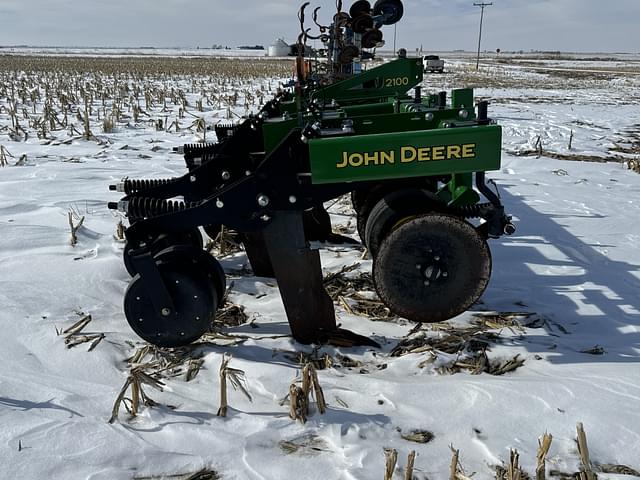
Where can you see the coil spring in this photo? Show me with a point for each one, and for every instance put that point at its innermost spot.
(224, 131)
(145, 207)
(195, 149)
(472, 211)
(132, 187)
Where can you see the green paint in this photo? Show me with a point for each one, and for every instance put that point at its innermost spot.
(405, 154)
(396, 77)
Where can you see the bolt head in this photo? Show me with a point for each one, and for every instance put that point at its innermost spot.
(165, 312)
(226, 175)
(292, 199)
(263, 200)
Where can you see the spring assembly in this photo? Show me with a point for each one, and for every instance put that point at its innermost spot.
(477, 210)
(145, 207)
(197, 149)
(132, 187)
(225, 131)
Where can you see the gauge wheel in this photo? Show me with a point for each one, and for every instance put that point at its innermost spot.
(197, 260)
(194, 303)
(432, 268)
(394, 208)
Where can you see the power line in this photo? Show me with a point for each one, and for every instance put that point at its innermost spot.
(481, 5)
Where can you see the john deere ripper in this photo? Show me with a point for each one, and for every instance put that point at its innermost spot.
(410, 163)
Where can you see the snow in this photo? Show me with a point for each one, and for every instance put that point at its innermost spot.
(574, 264)
(133, 52)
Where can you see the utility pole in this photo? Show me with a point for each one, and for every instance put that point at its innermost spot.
(395, 32)
(481, 5)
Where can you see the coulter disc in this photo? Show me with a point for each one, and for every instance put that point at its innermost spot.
(359, 7)
(392, 9)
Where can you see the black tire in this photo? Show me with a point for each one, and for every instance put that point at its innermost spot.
(194, 308)
(432, 268)
(368, 200)
(392, 209)
(393, 8)
(367, 197)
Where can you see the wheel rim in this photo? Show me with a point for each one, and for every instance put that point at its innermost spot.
(432, 268)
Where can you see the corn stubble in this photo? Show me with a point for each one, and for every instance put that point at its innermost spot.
(65, 99)
(299, 395)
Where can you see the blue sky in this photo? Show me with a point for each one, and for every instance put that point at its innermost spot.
(568, 25)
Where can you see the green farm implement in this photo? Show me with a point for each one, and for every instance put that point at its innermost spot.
(413, 164)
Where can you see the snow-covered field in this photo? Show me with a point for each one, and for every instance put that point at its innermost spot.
(563, 298)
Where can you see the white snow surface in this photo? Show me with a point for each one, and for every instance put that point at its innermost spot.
(574, 263)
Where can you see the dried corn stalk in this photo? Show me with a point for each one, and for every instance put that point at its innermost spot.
(299, 395)
(73, 336)
(544, 444)
(236, 378)
(298, 403)
(408, 471)
(586, 471)
(137, 377)
(455, 470)
(74, 227)
(391, 459)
